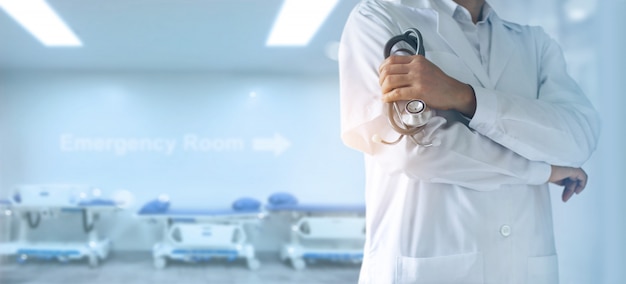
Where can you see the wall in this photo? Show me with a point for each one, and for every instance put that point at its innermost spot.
(203, 139)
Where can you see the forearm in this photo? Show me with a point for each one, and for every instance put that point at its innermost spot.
(558, 133)
(461, 157)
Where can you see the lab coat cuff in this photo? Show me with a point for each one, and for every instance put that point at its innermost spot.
(540, 173)
(486, 111)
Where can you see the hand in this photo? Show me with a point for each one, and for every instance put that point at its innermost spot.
(414, 77)
(573, 179)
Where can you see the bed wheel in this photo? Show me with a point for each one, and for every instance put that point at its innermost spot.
(160, 262)
(94, 261)
(254, 264)
(62, 259)
(22, 259)
(298, 263)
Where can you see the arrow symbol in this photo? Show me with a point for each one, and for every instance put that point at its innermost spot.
(277, 144)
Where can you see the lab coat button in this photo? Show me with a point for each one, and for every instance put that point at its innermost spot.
(505, 230)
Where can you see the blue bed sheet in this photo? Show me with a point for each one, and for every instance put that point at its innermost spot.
(319, 208)
(284, 201)
(241, 206)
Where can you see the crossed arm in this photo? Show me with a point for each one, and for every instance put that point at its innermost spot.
(482, 156)
(414, 77)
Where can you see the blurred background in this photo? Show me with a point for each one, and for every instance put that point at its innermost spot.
(194, 101)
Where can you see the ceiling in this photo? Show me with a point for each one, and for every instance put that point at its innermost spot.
(180, 35)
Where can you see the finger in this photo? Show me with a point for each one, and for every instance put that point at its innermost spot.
(399, 59)
(569, 188)
(572, 184)
(395, 60)
(397, 94)
(582, 183)
(392, 82)
(393, 69)
(567, 194)
(578, 188)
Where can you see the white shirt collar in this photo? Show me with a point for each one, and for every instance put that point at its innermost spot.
(424, 4)
(486, 13)
(450, 8)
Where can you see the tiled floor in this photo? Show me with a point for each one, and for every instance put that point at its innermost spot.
(135, 268)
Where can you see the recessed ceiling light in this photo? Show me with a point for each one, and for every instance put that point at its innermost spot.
(37, 17)
(579, 10)
(298, 21)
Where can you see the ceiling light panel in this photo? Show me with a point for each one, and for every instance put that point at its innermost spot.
(298, 21)
(38, 18)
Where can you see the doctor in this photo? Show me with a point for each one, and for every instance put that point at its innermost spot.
(475, 206)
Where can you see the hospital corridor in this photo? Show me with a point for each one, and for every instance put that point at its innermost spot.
(200, 141)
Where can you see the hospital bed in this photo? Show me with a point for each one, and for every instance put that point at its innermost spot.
(33, 204)
(5, 222)
(195, 235)
(330, 232)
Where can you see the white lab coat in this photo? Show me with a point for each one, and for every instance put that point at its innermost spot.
(476, 207)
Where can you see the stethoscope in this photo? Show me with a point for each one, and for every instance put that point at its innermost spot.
(416, 114)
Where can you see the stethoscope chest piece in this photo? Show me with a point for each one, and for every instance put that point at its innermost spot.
(416, 114)
(415, 106)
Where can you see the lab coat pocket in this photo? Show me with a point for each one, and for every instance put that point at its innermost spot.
(458, 269)
(543, 270)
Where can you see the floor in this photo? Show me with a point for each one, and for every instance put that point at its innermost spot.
(136, 267)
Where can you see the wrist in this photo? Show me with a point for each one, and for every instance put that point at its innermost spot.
(467, 101)
(552, 177)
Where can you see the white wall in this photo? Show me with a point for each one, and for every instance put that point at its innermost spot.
(211, 121)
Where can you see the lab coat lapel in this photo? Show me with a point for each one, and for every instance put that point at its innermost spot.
(450, 31)
(502, 48)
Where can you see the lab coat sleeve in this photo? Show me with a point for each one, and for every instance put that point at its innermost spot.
(558, 126)
(462, 156)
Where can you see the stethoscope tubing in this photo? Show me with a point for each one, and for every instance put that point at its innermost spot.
(416, 42)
